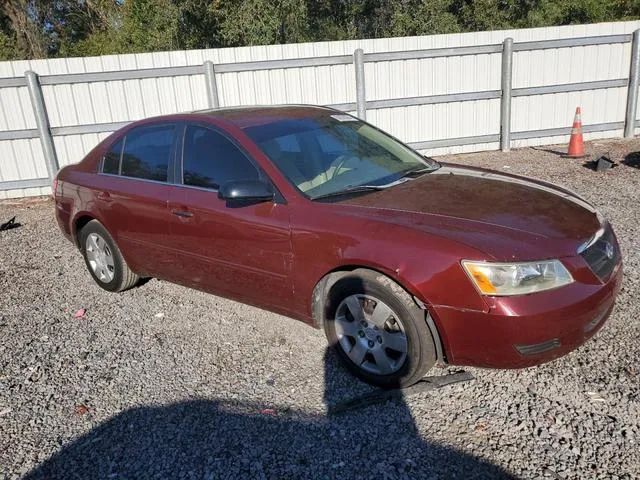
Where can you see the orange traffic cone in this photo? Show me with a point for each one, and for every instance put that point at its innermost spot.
(576, 144)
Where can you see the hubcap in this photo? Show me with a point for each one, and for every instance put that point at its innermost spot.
(371, 334)
(100, 258)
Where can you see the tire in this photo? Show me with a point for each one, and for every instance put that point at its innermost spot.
(104, 260)
(372, 290)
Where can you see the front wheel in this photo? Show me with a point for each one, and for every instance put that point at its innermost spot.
(378, 331)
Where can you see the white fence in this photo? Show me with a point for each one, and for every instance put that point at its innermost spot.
(429, 91)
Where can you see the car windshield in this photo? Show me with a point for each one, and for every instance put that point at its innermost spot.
(327, 155)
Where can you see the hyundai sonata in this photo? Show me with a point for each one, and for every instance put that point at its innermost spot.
(314, 214)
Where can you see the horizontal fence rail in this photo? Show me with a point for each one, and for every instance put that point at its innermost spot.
(19, 134)
(571, 42)
(358, 60)
(432, 53)
(569, 87)
(454, 142)
(553, 132)
(433, 99)
(13, 82)
(72, 78)
(29, 183)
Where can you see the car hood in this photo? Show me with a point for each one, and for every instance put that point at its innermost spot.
(506, 216)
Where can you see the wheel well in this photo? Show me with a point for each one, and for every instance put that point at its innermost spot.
(321, 290)
(79, 225)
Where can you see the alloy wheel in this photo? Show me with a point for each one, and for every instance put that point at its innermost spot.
(371, 334)
(100, 258)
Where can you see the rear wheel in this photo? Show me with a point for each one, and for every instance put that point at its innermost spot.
(104, 260)
(378, 331)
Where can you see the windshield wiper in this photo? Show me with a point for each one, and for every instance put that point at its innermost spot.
(417, 172)
(349, 190)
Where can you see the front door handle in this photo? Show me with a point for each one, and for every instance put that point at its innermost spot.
(182, 213)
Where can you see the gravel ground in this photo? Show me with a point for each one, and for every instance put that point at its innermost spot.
(162, 381)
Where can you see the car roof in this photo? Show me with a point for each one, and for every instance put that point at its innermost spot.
(251, 116)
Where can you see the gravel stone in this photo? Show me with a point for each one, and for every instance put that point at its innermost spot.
(124, 392)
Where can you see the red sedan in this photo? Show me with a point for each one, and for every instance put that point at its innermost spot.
(314, 214)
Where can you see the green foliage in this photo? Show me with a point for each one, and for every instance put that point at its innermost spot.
(50, 28)
(7, 47)
(260, 22)
(199, 24)
(149, 25)
(567, 12)
(423, 17)
(7, 38)
(478, 15)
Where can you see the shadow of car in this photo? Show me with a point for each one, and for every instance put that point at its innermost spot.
(219, 438)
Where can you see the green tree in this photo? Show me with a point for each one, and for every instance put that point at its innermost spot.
(328, 20)
(50, 28)
(25, 25)
(564, 12)
(7, 51)
(149, 25)
(259, 22)
(479, 15)
(7, 38)
(422, 17)
(199, 24)
(90, 27)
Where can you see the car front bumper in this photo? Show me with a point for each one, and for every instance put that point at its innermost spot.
(527, 330)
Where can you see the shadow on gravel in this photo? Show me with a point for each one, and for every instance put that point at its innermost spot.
(209, 439)
(550, 150)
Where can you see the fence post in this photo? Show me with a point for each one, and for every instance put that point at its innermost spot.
(42, 122)
(505, 99)
(361, 98)
(632, 93)
(212, 86)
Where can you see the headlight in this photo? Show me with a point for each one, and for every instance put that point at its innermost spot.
(517, 278)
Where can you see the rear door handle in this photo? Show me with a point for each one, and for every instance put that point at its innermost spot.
(182, 213)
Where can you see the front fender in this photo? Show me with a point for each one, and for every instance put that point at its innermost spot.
(427, 266)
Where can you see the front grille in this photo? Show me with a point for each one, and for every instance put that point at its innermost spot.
(603, 255)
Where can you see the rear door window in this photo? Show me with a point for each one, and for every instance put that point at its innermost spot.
(210, 159)
(147, 151)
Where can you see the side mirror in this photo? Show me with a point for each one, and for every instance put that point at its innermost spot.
(246, 190)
